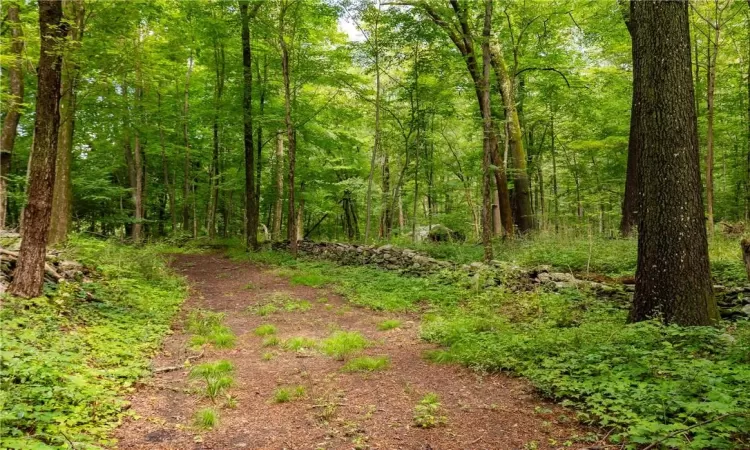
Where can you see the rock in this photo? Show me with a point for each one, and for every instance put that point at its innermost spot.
(746, 310)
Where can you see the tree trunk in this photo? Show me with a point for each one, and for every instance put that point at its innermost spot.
(376, 143)
(630, 199)
(165, 168)
(279, 202)
(525, 216)
(251, 206)
(554, 175)
(215, 172)
(501, 182)
(673, 280)
(138, 157)
(713, 44)
(263, 82)
(28, 277)
(186, 139)
(290, 135)
(15, 100)
(488, 133)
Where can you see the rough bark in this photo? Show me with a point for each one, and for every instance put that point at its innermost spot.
(251, 205)
(630, 199)
(13, 107)
(186, 140)
(673, 280)
(215, 173)
(28, 277)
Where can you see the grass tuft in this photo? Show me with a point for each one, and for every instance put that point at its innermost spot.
(389, 324)
(342, 344)
(207, 418)
(265, 330)
(367, 364)
(289, 393)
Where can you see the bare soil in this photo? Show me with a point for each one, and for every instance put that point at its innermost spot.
(340, 410)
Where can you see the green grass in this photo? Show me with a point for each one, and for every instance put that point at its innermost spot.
(297, 305)
(206, 418)
(389, 324)
(266, 310)
(207, 328)
(367, 364)
(265, 330)
(289, 393)
(342, 344)
(312, 279)
(300, 343)
(216, 376)
(271, 341)
(428, 412)
(62, 353)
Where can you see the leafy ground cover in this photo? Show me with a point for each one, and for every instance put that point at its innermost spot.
(646, 383)
(67, 361)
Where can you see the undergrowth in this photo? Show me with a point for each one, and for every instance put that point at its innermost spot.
(67, 362)
(682, 387)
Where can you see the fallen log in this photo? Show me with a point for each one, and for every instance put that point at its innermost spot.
(48, 269)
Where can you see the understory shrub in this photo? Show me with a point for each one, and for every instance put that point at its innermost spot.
(67, 360)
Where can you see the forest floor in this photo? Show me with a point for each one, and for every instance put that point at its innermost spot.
(337, 410)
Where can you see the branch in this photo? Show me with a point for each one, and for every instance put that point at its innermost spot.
(551, 69)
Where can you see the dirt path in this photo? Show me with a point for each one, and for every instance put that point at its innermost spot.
(340, 410)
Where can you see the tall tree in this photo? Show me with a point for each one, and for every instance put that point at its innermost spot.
(630, 199)
(13, 108)
(186, 139)
(487, 141)
(291, 134)
(29, 274)
(251, 205)
(219, 62)
(673, 280)
(62, 203)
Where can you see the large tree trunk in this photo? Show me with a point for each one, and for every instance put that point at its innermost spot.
(673, 280)
(13, 111)
(251, 206)
(630, 199)
(279, 201)
(28, 277)
(525, 215)
(713, 44)
(139, 187)
(501, 183)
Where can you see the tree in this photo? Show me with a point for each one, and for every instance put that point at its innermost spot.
(630, 199)
(673, 279)
(62, 203)
(291, 134)
(13, 108)
(29, 274)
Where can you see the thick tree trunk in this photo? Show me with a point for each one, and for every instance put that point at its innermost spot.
(673, 280)
(279, 201)
(28, 277)
(525, 215)
(501, 183)
(13, 111)
(630, 199)
(251, 205)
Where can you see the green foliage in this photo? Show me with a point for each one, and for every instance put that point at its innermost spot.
(367, 364)
(265, 330)
(389, 324)
(281, 301)
(206, 418)
(266, 310)
(216, 377)
(646, 380)
(289, 393)
(67, 362)
(300, 343)
(271, 341)
(207, 328)
(342, 344)
(428, 412)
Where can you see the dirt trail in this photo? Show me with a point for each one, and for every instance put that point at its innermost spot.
(373, 410)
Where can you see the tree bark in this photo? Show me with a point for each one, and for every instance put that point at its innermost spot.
(376, 143)
(13, 111)
(28, 277)
(673, 279)
(251, 205)
(290, 133)
(215, 172)
(488, 133)
(630, 199)
(525, 215)
(165, 168)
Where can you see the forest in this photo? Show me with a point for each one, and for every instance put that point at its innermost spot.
(375, 224)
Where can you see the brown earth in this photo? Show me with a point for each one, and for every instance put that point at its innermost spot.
(340, 410)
